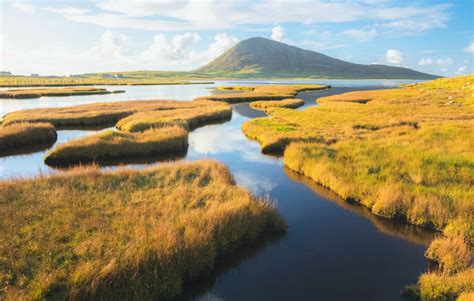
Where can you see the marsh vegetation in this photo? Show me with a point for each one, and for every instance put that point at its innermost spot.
(121, 234)
(404, 153)
(262, 93)
(19, 135)
(36, 93)
(116, 145)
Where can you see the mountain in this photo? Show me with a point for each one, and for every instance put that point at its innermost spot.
(260, 57)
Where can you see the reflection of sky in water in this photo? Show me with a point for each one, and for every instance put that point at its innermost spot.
(258, 184)
(31, 164)
(221, 139)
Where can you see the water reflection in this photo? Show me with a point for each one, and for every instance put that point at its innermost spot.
(386, 226)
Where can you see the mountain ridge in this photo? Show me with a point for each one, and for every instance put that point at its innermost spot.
(260, 57)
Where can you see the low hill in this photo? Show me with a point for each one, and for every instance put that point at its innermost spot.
(263, 57)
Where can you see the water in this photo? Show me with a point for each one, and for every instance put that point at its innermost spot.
(332, 250)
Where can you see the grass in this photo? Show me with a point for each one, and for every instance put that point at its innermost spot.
(36, 93)
(113, 145)
(19, 135)
(123, 234)
(93, 79)
(259, 93)
(187, 118)
(404, 153)
(290, 103)
(98, 114)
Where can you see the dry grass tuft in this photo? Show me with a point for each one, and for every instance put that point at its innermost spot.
(123, 234)
(26, 134)
(113, 145)
(290, 103)
(187, 118)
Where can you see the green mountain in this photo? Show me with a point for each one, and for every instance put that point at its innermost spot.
(260, 57)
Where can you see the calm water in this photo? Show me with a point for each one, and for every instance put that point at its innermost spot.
(332, 250)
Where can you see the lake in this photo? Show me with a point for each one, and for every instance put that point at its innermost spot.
(332, 250)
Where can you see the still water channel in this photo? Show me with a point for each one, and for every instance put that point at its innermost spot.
(332, 250)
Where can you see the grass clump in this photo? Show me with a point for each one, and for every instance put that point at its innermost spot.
(404, 153)
(36, 93)
(290, 103)
(98, 114)
(114, 145)
(123, 234)
(26, 134)
(188, 118)
(259, 93)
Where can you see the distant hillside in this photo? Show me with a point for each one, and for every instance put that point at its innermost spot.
(264, 57)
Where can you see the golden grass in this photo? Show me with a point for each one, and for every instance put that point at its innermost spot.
(27, 81)
(36, 93)
(123, 234)
(113, 145)
(98, 114)
(189, 118)
(290, 103)
(258, 93)
(438, 286)
(26, 134)
(404, 153)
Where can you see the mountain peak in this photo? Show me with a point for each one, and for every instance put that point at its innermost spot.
(261, 57)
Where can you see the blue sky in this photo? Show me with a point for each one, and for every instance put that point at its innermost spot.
(63, 37)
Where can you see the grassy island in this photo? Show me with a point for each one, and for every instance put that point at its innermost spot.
(36, 93)
(405, 153)
(123, 234)
(290, 103)
(101, 113)
(112, 145)
(260, 93)
(20, 135)
(187, 118)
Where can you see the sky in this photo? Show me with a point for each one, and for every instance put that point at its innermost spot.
(65, 37)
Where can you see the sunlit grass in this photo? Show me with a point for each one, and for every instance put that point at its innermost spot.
(114, 145)
(100, 113)
(259, 93)
(404, 153)
(290, 103)
(188, 118)
(123, 234)
(26, 134)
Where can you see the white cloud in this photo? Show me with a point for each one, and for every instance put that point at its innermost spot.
(361, 35)
(222, 42)
(185, 15)
(425, 62)
(462, 70)
(444, 61)
(393, 56)
(278, 33)
(469, 48)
